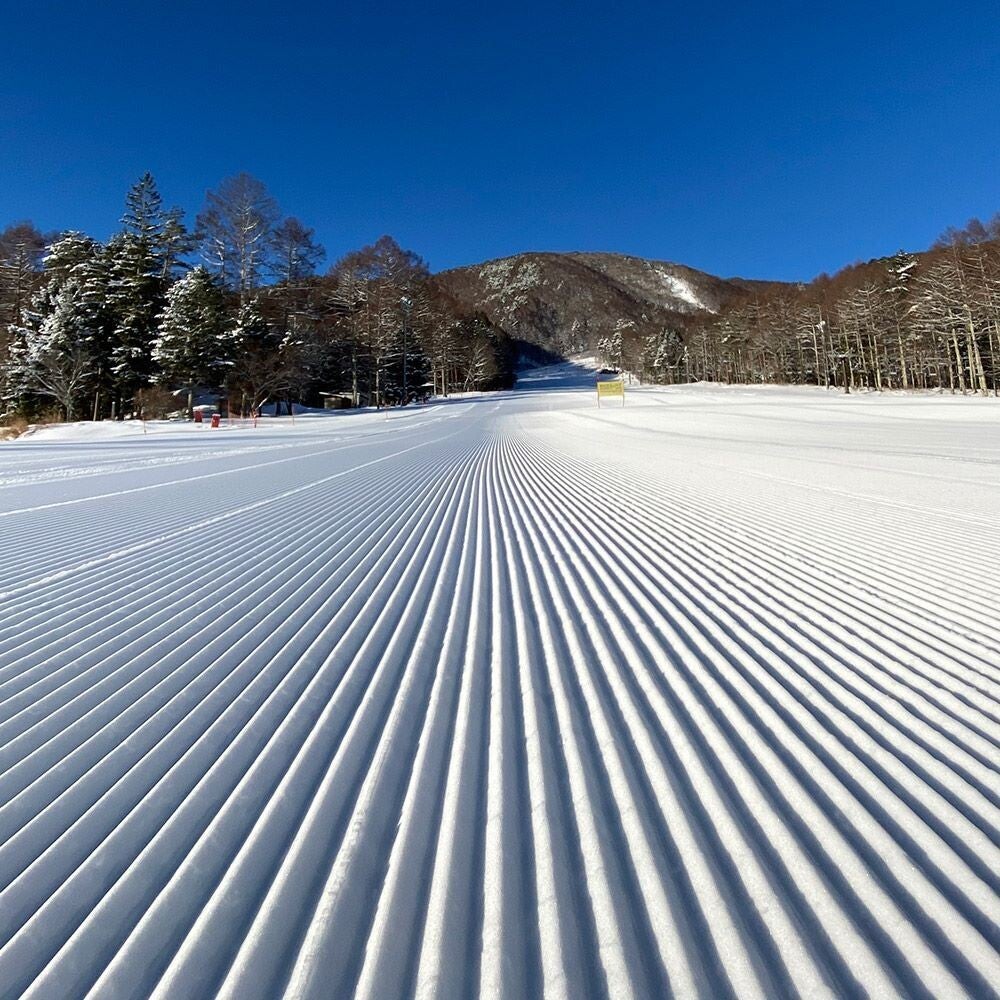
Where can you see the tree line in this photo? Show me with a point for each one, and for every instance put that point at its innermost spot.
(909, 321)
(137, 325)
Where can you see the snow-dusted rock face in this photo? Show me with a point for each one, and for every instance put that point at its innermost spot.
(672, 286)
(567, 302)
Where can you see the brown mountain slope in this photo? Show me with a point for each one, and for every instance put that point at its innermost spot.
(566, 302)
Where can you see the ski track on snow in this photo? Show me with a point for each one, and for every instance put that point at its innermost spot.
(503, 698)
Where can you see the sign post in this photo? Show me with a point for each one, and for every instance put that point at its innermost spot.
(615, 388)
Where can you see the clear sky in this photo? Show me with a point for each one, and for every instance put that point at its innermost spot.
(769, 140)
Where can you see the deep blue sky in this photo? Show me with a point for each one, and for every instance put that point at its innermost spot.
(768, 140)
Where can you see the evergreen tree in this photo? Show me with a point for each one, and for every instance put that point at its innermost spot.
(176, 244)
(141, 260)
(160, 231)
(144, 217)
(193, 345)
(67, 313)
(259, 356)
(610, 348)
(54, 353)
(661, 356)
(73, 255)
(136, 296)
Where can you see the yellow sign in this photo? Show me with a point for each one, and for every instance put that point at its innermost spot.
(615, 388)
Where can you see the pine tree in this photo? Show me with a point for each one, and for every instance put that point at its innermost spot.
(140, 260)
(661, 353)
(54, 355)
(193, 345)
(144, 216)
(67, 313)
(258, 350)
(73, 255)
(176, 244)
(160, 231)
(136, 296)
(610, 348)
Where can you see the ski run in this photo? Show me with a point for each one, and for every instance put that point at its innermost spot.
(508, 696)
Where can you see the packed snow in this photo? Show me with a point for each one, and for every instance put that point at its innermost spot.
(506, 696)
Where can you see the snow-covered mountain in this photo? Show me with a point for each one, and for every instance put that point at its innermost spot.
(567, 301)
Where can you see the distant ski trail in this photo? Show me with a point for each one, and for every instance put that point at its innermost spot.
(507, 698)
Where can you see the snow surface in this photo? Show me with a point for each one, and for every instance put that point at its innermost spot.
(678, 288)
(504, 697)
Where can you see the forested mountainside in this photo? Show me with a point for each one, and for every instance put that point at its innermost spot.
(568, 302)
(926, 320)
(910, 320)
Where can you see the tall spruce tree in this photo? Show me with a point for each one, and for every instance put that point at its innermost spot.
(55, 353)
(144, 217)
(141, 260)
(162, 231)
(73, 289)
(193, 345)
(136, 296)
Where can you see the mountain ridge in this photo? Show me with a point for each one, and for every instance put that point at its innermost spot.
(565, 302)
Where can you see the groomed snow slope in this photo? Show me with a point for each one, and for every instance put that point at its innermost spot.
(507, 697)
